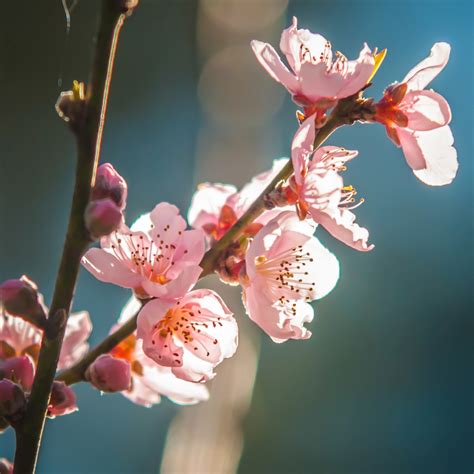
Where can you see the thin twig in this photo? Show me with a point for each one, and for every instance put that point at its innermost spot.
(89, 135)
(76, 373)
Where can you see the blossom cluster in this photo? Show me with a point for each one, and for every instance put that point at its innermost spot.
(184, 333)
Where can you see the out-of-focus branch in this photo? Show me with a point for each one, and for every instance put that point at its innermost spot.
(88, 128)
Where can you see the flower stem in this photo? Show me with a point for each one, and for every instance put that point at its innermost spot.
(88, 135)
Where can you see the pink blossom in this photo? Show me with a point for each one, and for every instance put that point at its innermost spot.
(216, 207)
(314, 79)
(155, 257)
(109, 374)
(286, 268)
(149, 380)
(191, 336)
(320, 188)
(416, 119)
(19, 338)
(62, 401)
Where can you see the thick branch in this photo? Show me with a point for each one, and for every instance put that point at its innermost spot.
(89, 135)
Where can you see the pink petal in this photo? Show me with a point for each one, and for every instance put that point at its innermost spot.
(189, 251)
(269, 59)
(162, 380)
(163, 350)
(168, 223)
(317, 82)
(424, 72)
(302, 147)
(107, 268)
(207, 203)
(175, 288)
(425, 110)
(293, 41)
(194, 369)
(325, 271)
(413, 154)
(278, 320)
(440, 156)
(340, 224)
(359, 72)
(78, 329)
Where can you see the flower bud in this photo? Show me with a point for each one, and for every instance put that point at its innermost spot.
(102, 217)
(20, 370)
(12, 398)
(20, 298)
(109, 374)
(6, 467)
(62, 401)
(109, 184)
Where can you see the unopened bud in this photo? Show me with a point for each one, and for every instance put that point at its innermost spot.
(6, 467)
(20, 370)
(20, 298)
(62, 401)
(102, 217)
(109, 184)
(109, 374)
(12, 398)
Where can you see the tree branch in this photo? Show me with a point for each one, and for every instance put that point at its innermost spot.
(89, 135)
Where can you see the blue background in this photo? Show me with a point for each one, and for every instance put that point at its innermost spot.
(385, 384)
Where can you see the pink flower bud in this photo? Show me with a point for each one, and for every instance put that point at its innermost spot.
(20, 370)
(109, 184)
(6, 467)
(12, 398)
(62, 401)
(109, 374)
(103, 217)
(20, 298)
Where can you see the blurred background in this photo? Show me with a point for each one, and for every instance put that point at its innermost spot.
(385, 383)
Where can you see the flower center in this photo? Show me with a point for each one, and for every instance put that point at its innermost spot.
(287, 273)
(126, 350)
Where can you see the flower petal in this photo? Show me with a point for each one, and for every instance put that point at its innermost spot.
(424, 72)
(440, 157)
(107, 268)
(340, 224)
(78, 329)
(302, 147)
(425, 110)
(269, 59)
(207, 203)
